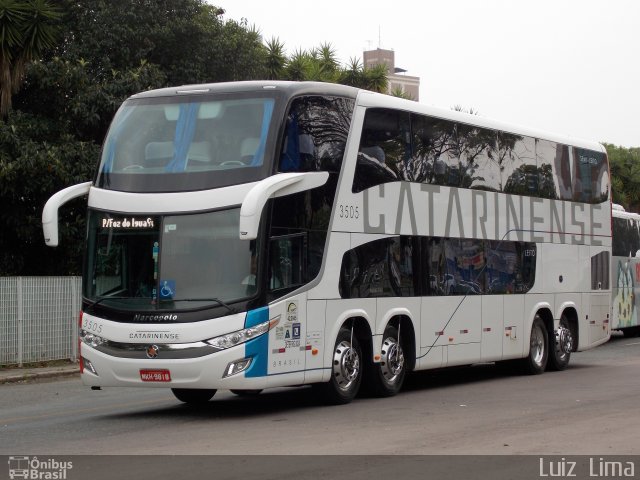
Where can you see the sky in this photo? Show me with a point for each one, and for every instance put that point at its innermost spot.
(571, 67)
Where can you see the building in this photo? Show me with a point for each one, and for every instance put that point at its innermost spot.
(397, 80)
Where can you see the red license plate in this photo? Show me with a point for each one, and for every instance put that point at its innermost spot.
(155, 375)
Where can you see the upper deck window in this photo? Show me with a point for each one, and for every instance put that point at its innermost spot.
(184, 143)
(396, 145)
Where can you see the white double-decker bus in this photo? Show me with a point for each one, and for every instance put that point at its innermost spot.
(251, 235)
(625, 272)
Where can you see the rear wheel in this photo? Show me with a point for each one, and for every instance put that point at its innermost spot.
(193, 396)
(346, 370)
(561, 346)
(536, 361)
(385, 379)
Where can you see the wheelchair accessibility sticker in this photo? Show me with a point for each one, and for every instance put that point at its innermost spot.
(167, 289)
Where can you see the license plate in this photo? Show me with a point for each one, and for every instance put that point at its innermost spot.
(155, 375)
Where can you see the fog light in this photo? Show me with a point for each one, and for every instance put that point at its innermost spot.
(88, 365)
(237, 367)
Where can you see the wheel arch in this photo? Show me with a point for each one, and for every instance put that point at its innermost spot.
(547, 318)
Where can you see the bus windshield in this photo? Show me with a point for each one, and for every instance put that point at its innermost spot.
(138, 262)
(168, 144)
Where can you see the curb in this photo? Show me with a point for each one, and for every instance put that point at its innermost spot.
(29, 376)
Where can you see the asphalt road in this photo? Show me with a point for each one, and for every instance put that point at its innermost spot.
(589, 409)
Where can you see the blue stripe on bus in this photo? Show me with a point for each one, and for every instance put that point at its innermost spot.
(258, 348)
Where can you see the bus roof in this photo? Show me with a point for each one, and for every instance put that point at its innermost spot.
(367, 99)
(290, 88)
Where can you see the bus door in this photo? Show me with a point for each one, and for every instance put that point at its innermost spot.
(287, 345)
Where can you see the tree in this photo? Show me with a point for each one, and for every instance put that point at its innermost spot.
(276, 59)
(297, 66)
(625, 175)
(27, 30)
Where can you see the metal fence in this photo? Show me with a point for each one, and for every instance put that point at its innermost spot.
(38, 319)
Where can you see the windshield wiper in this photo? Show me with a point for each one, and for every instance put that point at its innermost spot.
(217, 300)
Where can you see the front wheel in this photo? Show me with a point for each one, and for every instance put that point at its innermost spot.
(193, 396)
(561, 342)
(385, 379)
(346, 370)
(536, 361)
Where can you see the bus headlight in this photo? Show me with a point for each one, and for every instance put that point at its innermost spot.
(241, 336)
(91, 339)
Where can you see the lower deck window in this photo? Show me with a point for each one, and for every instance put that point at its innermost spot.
(407, 266)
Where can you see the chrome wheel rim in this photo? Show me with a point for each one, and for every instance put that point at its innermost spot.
(537, 345)
(564, 342)
(346, 365)
(392, 360)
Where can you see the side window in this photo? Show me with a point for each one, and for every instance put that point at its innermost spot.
(427, 143)
(438, 281)
(384, 154)
(517, 160)
(600, 271)
(316, 133)
(306, 214)
(465, 266)
(526, 266)
(626, 237)
(476, 150)
(382, 268)
(510, 267)
(433, 150)
(590, 176)
(287, 261)
(554, 170)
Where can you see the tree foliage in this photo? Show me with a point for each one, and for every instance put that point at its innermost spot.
(106, 51)
(27, 30)
(625, 176)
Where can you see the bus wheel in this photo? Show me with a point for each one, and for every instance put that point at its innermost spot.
(536, 361)
(346, 370)
(193, 396)
(385, 378)
(246, 393)
(561, 342)
(630, 332)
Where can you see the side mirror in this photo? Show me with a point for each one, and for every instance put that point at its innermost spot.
(50, 210)
(277, 186)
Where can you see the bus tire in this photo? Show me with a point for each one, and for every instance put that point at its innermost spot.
(536, 361)
(630, 332)
(346, 370)
(193, 396)
(385, 379)
(559, 359)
